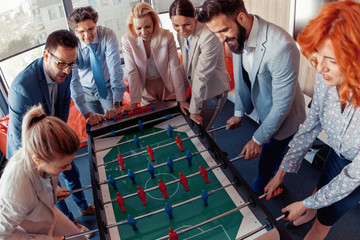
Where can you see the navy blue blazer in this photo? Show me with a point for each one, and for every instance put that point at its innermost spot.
(28, 89)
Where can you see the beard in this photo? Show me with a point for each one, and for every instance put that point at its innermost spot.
(238, 46)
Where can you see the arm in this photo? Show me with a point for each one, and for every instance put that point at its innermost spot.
(135, 84)
(302, 140)
(112, 56)
(77, 93)
(284, 73)
(12, 214)
(19, 99)
(211, 50)
(177, 74)
(338, 188)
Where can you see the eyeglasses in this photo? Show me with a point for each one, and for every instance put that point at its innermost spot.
(82, 32)
(63, 65)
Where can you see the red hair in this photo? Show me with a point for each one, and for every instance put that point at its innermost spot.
(339, 22)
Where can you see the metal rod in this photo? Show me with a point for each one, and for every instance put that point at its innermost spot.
(147, 122)
(212, 219)
(139, 153)
(81, 234)
(168, 183)
(174, 206)
(131, 140)
(259, 228)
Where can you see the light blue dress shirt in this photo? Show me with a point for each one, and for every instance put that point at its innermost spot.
(107, 48)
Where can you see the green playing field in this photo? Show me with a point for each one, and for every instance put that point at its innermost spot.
(185, 215)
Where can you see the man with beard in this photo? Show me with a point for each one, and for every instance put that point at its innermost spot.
(266, 66)
(46, 81)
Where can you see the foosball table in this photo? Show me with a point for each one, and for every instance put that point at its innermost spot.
(155, 174)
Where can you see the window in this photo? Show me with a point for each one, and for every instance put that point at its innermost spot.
(109, 14)
(52, 14)
(25, 25)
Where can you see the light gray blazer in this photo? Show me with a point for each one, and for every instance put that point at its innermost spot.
(275, 91)
(204, 66)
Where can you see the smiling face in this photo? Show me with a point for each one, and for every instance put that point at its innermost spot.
(185, 26)
(327, 66)
(61, 54)
(144, 27)
(229, 31)
(86, 31)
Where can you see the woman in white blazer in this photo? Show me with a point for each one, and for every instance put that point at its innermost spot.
(203, 62)
(28, 186)
(152, 65)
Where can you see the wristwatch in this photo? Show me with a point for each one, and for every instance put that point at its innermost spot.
(117, 104)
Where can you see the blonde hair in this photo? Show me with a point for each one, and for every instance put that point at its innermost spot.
(141, 10)
(44, 137)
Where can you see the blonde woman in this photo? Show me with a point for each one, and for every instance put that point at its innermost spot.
(152, 65)
(28, 186)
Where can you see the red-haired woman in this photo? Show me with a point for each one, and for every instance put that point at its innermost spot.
(331, 41)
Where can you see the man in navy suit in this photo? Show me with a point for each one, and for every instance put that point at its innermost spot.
(46, 81)
(266, 67)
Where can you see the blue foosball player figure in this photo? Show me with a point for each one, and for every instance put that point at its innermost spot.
(170, 130)
(189, 158)
(204, 197)
(170, 164)
(112, 182)
(137, 141)
(168, 210)
(131, 175)
(151, 170)
(141, 126)
(132, 222)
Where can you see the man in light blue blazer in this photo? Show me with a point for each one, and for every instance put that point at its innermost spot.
(266, 67)
(46, 81)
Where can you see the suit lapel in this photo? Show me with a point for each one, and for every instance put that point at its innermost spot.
(44, 86)
(259, 50)
(194, 42)
(142, 57)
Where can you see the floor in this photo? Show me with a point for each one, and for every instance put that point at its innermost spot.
(298, 186)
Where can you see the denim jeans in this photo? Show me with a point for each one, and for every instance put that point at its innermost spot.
(72, 181)
(332, 167)
(269, 161)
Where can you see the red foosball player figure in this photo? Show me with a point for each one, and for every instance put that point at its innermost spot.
(120, 160)
(141, 194)
(162, 187)
(179, 143)
(183, 181)
(203, 173)
(172, 235)
(120, 201)
(150, 152)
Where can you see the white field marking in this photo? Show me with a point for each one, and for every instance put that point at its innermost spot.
(148, 193)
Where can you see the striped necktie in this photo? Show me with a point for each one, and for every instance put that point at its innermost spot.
(97, 73)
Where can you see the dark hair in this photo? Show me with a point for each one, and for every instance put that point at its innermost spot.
(183, 8)
(82, 14)
(212, 8)
(62, 38)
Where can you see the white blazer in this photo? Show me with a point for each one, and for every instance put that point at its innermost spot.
(166, 59)
(24, 203)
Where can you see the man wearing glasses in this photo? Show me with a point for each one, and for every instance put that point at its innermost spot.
(46, 81)
(96, 86)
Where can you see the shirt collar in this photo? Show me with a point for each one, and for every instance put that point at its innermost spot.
(48, 79)
(96, 40)
(252, 39)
